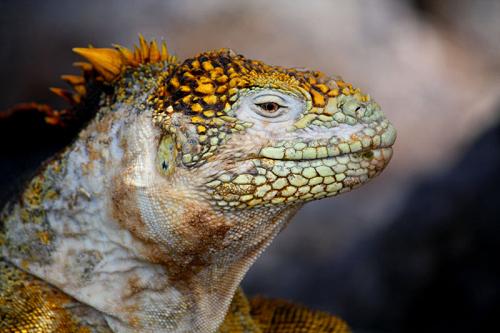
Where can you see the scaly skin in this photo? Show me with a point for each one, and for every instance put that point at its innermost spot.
(150, 219)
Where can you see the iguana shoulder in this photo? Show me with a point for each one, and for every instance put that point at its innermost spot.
(28, 304)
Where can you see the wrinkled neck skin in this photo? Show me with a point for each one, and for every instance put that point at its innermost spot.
(148, 251)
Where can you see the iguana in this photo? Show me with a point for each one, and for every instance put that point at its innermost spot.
(182, 176)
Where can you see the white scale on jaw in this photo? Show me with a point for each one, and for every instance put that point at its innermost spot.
(315, 132)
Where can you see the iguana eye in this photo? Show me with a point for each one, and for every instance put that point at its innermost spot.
(270, 109)
(268, 105)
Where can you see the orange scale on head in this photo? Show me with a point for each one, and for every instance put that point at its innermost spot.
(174, 82)
(187, 99)
(206, 89)
(322, 87)
(242, 83)
(341, 83)
(211, 99)
(207, 65)
(203, 80)
(333, 93)
(201, 129)
(195, 64)
(196, 107)
(221, 89)
(318, 99)
(209, 113)
(222, 79)
(234, 82)
(214, 75)
(197, 120)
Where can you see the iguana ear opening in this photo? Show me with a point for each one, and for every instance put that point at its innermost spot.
(186, 139)
(166, 158)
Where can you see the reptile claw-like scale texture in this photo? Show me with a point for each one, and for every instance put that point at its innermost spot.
(180, 177)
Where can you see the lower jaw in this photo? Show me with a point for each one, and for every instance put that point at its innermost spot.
(330, 176)
(294, 181)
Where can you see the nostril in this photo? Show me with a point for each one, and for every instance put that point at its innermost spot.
(359, 112)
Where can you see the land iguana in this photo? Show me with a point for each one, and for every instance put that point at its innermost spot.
(181, 177)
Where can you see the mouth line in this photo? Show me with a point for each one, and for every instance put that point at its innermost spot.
(368, 152)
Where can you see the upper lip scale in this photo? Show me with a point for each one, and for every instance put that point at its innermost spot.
(278, 153)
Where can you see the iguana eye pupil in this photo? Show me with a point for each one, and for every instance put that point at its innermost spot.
(269, 106)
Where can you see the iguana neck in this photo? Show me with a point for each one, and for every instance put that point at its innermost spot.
(149, 252)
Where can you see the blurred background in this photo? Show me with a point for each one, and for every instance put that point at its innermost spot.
(414, 250)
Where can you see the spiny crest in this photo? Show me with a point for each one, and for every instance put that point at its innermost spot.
(107, 64)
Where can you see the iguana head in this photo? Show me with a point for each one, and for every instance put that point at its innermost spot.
(263, 135)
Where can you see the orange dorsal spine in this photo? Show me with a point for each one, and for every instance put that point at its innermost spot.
(107, 64)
